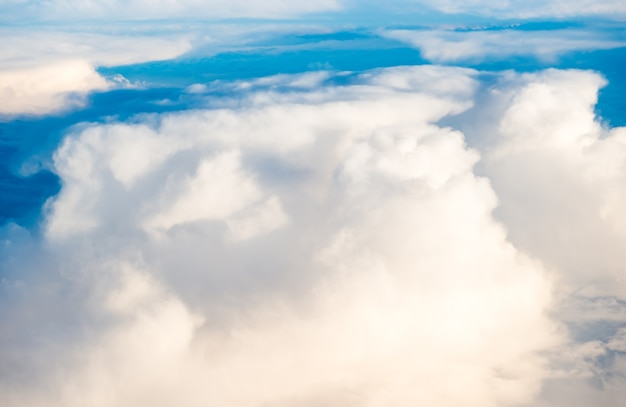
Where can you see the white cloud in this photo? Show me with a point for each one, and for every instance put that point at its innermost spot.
(526, 9)
(338, 246)
(547, 45)
(218, 189)
(557, 171)
(49, 71)
(307, 80)
(31, 47)
(618, 341)
(329, 246)
(143, 9)
(262, 218)
(49, 88)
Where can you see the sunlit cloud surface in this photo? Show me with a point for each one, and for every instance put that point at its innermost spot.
(277, 213)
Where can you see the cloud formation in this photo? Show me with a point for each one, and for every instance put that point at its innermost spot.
(48, 71)
(527, 9)
(301, 248)
(68, 10)
(337, 245)
(558, 173)
(536, 158)
(546, 45)
(48, 89)
(31, 47)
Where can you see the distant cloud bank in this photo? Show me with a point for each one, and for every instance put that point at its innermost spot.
(524, 9)
(446, 46)
(51, 71)
(16, 10)
(68, 10)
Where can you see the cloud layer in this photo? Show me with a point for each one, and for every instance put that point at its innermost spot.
(526, 9)
(304, 248)
(330, 245)
(48, 71)
(443, 46)
(68, 10)
(33, 91)
(559, 174)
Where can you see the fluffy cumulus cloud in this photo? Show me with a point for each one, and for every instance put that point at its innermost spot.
(559, 174)
(334, 245)
(68, 10)
(451, 46)
(331, 246)
(540, 163)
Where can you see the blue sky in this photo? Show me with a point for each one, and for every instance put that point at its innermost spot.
(333, 202)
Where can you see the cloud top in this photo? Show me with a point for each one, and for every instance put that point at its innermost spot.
(303, 243)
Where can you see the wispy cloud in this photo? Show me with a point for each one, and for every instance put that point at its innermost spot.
(525, 9)
(479, 45)
(33, 91)
(47, 70)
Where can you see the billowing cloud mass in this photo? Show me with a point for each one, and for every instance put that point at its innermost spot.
(313, 247)
(546, 45)
(542, 163)
(560, 176)
(330, 246)
(26, 48)
(33, 91)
